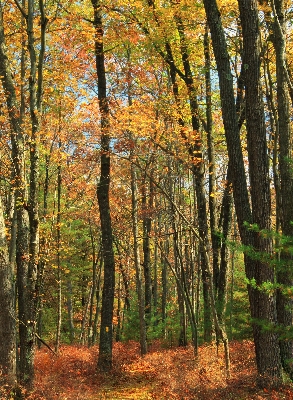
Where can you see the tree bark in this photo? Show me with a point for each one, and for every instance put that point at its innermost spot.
(106, 330)
(284, 274)
(59, 267)
(261, 304)
(7, 314)
(138, 271)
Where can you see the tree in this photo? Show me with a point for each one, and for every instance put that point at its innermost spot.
(261, 303)
(105, 347)
(284, 135)
(7, 314)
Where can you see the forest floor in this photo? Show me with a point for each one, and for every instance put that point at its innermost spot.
(162, 374)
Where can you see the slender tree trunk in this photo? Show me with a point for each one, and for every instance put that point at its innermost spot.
(35, 101)
(118, 312)
(83, 330)
(164, 285)
(95, 325)
(194, 148)
(138, 271)
(106, 330)
(94, 288)
(224, 226)
(196, 152)
(215, 241)
(70, 310)
(59, 267)
(147, 200)
(122, 282)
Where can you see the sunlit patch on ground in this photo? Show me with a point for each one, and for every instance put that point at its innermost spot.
(161, 374)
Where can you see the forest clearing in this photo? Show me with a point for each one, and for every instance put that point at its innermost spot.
(164, 373)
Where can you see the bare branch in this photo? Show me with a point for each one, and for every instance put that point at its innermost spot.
(20, 9)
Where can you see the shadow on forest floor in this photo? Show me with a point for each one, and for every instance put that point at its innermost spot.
(161, 374)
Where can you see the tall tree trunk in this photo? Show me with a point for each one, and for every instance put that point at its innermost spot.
(138, 270)
(59, 267)
(106, 330)
(261, 304)
(147, 204)
(284, 274)
(26, 211)
(7, 314)
(17, 154)
(215, 241)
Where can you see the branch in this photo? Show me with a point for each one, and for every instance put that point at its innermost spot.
(44, 343)
(36, 335)
(20, 9)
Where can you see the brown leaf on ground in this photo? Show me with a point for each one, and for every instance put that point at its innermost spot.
(161, 374)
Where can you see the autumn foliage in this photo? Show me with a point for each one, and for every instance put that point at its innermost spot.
(164, 373)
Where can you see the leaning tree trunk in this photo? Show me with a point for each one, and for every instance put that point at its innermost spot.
(261, 304)
(106, 329)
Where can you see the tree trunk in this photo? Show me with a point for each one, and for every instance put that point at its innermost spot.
(59, 267)
(147, 204)
(7, 314)
(106, 330)
(138, 271)
(224, 228)
(70, 310)
(215, 241)
(27, 241)
(261, 304)
(284, 276)
(94, 288)
(194, 148)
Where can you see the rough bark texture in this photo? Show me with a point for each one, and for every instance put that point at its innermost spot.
(106, 330)
(284, 275)
(261, 304)
(7, 314)
(22, 239)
